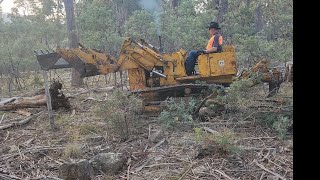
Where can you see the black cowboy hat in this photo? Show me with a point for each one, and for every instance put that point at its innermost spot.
(214, 25)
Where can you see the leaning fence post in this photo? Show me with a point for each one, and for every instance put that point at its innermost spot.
(48, 97)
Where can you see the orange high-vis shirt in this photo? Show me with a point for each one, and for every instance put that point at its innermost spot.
(211, 42)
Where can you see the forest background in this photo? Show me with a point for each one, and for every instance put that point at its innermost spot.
(259, 29)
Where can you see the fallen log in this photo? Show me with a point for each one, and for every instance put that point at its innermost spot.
(24, 102)
(7, 100)
(38, 100)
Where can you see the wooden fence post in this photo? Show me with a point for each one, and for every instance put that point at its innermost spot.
(48, 97)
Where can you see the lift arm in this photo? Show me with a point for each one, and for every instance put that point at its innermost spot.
(91, 62)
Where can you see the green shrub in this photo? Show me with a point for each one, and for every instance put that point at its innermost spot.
(88, 128)
(276, 120)
(238, 95)
(223, 142)
(177, 112)
(121, 111)
(281, 126)
(226, 140)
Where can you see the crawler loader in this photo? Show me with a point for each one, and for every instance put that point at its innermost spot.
(155, 75)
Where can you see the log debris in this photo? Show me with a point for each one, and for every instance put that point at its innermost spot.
(23, 102)
(58, 100)
(212, 95)
(18, 122)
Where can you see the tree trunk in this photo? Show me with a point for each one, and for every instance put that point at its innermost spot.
(223, 9)
(121, 16)
(214, 4)
(76, 80)
(258, 18)
(248, 3)
(174, 4)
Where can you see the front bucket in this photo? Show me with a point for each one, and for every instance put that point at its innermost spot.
(51, 60)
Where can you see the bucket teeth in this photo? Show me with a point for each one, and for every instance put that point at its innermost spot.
(42, 52)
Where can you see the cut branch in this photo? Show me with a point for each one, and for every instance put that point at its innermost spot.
(212, 95)
(18, 123)
(262, 167)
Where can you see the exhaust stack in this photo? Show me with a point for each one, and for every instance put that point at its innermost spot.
(160, 45)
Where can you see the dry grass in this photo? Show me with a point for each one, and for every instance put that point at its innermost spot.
(72, 151)
(89, 128)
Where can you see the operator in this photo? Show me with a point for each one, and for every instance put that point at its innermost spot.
(214, 45)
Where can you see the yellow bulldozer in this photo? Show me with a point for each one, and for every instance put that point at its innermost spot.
(155, 75)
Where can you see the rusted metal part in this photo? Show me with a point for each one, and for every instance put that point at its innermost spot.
(261, 66)
(152, 109)
(88, 62)
(261, 72)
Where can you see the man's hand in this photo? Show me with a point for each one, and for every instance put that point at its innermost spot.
(202, 52)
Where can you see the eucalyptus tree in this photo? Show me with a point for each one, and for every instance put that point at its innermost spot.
(97, 26)
(258, 28)
(73, 39)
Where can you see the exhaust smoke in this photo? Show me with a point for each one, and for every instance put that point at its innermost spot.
(153, 7)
